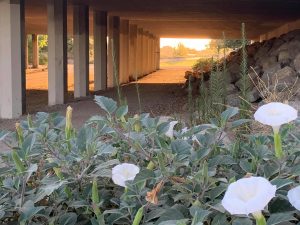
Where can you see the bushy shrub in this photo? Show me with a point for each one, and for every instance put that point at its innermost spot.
(55, 174)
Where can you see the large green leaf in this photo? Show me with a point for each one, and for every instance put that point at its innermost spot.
(29, 210)
(199, 215)
(170, 214)
(67, 219)
(242, 221)
(122, 111)
(181, 148)
(278, 218)
(229, 113)
(47, 190)
(107, 104)
(175, 222)
(280, 183)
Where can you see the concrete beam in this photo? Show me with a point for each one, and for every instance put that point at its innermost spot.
(81, 50)
(57, 51)
(12, 59)
(294, 25)
(35, 51)
(100, 50)
(124, 52)
(133, 51)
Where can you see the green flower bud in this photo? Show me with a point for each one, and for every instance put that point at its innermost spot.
(138, 217)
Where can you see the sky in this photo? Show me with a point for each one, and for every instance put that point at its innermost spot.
(198, 44)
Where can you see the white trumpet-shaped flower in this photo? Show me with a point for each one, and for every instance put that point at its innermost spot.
(248, 196)
(294, 197)
(275, 114)
(124, 172)
(170, 132)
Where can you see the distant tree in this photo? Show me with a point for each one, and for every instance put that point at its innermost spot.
(166, 52)
(180, 50)
(43, 42)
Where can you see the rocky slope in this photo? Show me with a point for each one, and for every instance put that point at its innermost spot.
(274, 68)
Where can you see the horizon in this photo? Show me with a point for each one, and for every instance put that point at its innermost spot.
(192, 43)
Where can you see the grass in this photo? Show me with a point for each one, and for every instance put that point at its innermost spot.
(183, 63)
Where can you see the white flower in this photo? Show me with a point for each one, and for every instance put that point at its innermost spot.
(275, 114)
(124, 172)
(170, 132)
(294, 197)
(248, 195)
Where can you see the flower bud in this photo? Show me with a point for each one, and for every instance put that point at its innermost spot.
(68, 128)
(19, 134)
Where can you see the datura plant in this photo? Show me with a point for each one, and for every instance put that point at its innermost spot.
(140, 170)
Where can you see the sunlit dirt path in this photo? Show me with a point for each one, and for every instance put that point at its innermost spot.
(161, 94)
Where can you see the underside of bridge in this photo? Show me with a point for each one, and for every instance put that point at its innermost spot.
(126, 37)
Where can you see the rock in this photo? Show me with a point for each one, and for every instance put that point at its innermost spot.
(282, 47)
(261, 53)
(294, 48)
(251, 49)
(284, 58)
(285, 75)
(233, 72)
(233, 100)
(253, 95)
(230, 89)
(297, 63)
(268, 62)
(268, 73)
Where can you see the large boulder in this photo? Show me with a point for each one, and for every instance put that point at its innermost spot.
(233, 72)
(294, 48)
(268, 62)
(253, 95)
(231, 89)
(297, 63)
(268, 73)
(285, 75)
(284, 58)
(233, 100)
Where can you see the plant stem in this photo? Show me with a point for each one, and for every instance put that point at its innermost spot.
(278, 145)
(259, 218)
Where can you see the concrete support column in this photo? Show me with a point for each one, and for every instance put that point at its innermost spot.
(113, 51)
(26, 51)
(139, 57)
(149, 53)
(145, 53)
(57, 51)
(152, 60)
(81, 50)
(100, 50)
(35, 51)
(158, 53)
(155, 53)
(124, 52)
(133, 51)
(12, 55)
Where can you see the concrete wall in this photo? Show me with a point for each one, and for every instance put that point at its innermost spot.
(280, 30)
